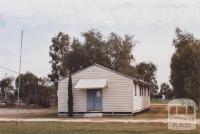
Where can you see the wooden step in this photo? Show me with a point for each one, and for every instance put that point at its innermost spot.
(88, 115)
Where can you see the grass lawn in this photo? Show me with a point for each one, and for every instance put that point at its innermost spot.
(88, 128)
(156, 112)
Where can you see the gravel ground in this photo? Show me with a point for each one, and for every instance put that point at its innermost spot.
(11, 112)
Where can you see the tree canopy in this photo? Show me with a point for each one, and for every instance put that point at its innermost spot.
(147, 72)
(166, 90)
(58, 52)
(185, 66)
(35, 90)
(68, 56)
(28, 84)
(6, 85)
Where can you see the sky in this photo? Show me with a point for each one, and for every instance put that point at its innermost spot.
(152, 22)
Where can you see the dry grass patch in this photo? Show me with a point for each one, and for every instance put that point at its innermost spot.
(88, 128)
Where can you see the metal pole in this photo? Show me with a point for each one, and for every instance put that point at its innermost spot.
(5, 90)
(20, 61)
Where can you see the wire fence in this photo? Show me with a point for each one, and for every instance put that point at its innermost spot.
(28, 102)
(12, 102)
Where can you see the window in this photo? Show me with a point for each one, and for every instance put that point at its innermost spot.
(149, 91)
(135, 90)
(140, 90)
(146, 91)
(143, 91)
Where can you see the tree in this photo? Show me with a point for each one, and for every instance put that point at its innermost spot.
(6, 86)
(147, 72)
(35, 90)
(114, 52)
(95, 47)
(45, 91)
(59, 50)
(166, 90)
(28, 83)
(185, 66)
(120, 53)
(28, 86)
(70, 97)
(77, 58)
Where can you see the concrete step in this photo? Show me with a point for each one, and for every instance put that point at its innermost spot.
(92, 115)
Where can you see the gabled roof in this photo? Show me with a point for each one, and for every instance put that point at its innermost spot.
(124, 75)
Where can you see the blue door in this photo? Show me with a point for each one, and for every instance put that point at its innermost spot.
(90, 100)
(94, 100)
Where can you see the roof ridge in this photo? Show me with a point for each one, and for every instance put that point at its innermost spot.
(101, 66)
(115, 71)
(125, 75)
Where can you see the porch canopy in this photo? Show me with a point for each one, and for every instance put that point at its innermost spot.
(91, 84)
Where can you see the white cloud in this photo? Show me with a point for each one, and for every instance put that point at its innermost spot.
(152, 22)
(138, 12)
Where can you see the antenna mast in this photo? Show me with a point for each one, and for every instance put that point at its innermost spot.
(20, 61)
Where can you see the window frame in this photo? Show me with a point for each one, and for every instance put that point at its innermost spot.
(135, 89)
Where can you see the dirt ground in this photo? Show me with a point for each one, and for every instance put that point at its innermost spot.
(11, 112)
(157, 111)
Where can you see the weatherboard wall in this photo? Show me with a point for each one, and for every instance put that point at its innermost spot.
(118, 97)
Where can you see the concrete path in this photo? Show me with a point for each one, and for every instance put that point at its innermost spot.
(88, 120)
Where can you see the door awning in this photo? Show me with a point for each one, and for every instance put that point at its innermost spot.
(91, 84)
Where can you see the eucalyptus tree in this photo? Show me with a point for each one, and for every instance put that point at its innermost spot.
(185, 66)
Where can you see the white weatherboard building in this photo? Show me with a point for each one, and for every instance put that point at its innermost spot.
(97, 89)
